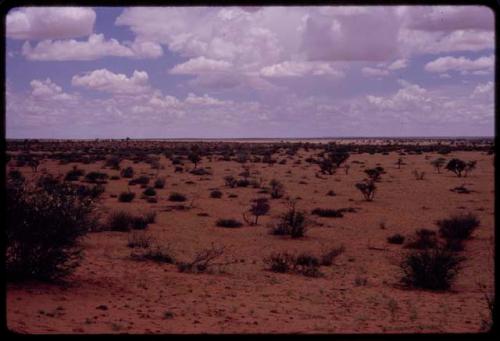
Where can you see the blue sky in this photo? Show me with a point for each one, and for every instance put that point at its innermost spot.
(249, 72)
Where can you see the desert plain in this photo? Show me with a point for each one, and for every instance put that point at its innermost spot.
(115, 290)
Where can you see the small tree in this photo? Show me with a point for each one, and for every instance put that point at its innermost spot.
(194, 157)
(327, 166)
(456, 166)
(259, 206)
(367, 188)
(374, 173)
(438, 164)
(399, 163)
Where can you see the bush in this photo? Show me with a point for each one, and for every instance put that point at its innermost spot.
(231, 223)
(159, 183)
(159, 254)
(96, 177)
(216, 194)
(284, 262)
(277, 189)
(459, 227)
(120, 221)
(424, 239)
(43, 230)
(126, 196)
(127, 172)
(203, 260)
(230, 181)
(242, 183)
(150, 191)
(328, 257)
(74, 174)
(331, 193)
(329, 213)
(124, 221)
(292, 223)
(142, 180)
(177, 197)
(396, 239)
(432, 269)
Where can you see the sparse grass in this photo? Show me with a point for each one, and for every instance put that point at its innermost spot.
(285, 262)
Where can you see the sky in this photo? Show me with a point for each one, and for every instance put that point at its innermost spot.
(234, 72)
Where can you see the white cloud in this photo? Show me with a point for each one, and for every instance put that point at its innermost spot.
(201, 65)
(448, 18)
(374, 72)
(485, 90)
(46, 89)
(299, 69)
(398, 64)
(94, 48)
(116, 83)
(448, 63)
(49, 22)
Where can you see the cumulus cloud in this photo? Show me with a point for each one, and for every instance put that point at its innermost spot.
(448, 63)
(95, 47)
(46, 89)
(299, 69)
(398, 64)
(448, 18)
(483, 90)
(37, 23)
(374, 72)
(201, 65)
(116, 83)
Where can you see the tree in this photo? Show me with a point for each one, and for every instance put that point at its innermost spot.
(438, 164)
(194, 157)
(456, 166)
(259, 206)
(367, 188)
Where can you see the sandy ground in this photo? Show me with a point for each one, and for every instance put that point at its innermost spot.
(112, 293)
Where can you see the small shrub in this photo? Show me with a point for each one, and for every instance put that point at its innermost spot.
(433, 269)
(230, 181)
(328, 257)
(259, 207)
(127, 172)
(292, 223)
(461, 190)
(277, 189)
(158, 253)
(215, 194)
(96, 177)
(458, 227)
(331, 193)
(120, 221)
(150, 191)
(328, 213)
(203, 261)
(74, 174)
(231, 223)
(142, 180)
(423, 239)
(281, 262)
(126, 196)
(177, 197)
(242, 183)
(284, 262)
(396, 239)
(159, 183)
